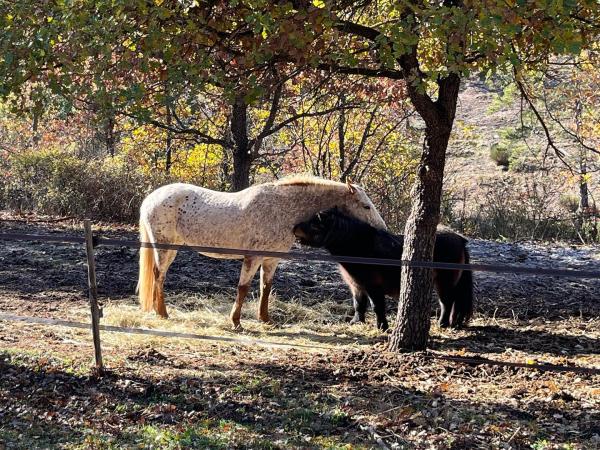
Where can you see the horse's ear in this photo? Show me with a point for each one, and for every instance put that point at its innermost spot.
(351, 188)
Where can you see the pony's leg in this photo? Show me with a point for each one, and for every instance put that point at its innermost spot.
(445, 310)
(360, 299)
(443, 281)
(164, 260)
(267, 270)
(378, 299)
(249, 268)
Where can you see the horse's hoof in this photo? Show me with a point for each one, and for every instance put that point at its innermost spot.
(237, 328)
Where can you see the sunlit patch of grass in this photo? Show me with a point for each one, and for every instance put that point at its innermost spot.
(41, 360)
(207, 433)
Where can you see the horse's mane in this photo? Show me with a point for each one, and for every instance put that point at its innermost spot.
(306, 180)
(349, 226)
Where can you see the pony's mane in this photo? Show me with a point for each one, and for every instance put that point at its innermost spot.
(306, 180)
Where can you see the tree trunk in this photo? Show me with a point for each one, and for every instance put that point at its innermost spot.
(242, 156)
(35, 138)
(584, 203)
(168, 143)
(414, 309)
(342, 141)
(110, 135)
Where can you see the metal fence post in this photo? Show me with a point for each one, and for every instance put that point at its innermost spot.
(93, 294)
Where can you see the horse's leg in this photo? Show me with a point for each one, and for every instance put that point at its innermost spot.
(165, 258)
(249, 268)
(378, 299)
(360, 299)
(267, 270)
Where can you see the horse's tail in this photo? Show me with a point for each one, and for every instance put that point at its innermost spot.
(462, 293)
(145, 286)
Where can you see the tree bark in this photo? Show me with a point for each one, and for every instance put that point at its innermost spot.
(110, 135)
(342, 141)
(242, 155)
(414, 309)
(584, 203)
(35, 135)
(169, 142)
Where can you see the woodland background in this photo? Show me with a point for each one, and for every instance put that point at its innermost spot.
(503, 179)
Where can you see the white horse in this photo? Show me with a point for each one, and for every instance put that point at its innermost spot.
(260, 217)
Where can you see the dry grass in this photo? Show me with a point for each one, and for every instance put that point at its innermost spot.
(295, 324)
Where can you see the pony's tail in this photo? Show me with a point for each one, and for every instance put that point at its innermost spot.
(145, 286)
(462, 293)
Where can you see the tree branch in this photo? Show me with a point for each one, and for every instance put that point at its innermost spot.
(364, 71)
(550, 142)
(295, 117)
(198, 135)
(257, 141)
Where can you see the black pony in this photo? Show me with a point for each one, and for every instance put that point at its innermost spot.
(343, 235)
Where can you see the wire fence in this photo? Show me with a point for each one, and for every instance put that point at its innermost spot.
(93, 241)
(302, 256)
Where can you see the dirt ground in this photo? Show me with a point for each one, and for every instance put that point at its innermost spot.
(337, 389)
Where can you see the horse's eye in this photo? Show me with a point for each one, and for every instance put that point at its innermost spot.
(366, 207)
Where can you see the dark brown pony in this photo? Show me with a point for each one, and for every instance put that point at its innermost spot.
(343, 235)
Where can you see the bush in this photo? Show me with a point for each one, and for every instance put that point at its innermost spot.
(56, 182)
(512, 152)
(569, 203)
(516, 211)
(500, 153)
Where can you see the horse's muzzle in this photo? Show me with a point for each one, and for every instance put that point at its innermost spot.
(301, 235)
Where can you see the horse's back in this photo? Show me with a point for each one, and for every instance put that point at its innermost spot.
(193, 215)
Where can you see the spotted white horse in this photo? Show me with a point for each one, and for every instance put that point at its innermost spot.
(260, 217)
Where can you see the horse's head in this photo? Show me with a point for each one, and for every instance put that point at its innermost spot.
(316, 231)
(356, 203)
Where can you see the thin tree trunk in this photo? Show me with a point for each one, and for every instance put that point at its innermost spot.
(341, 141)
(34, 128)
(242, 157)
(110, 135)
(584, 203)
(169, 142)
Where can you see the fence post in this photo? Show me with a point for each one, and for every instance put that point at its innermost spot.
(93, 294)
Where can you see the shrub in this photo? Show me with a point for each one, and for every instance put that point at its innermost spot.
(569, 203)
(507, 210)
(56, 182)
(500, 153)
(512, 151)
